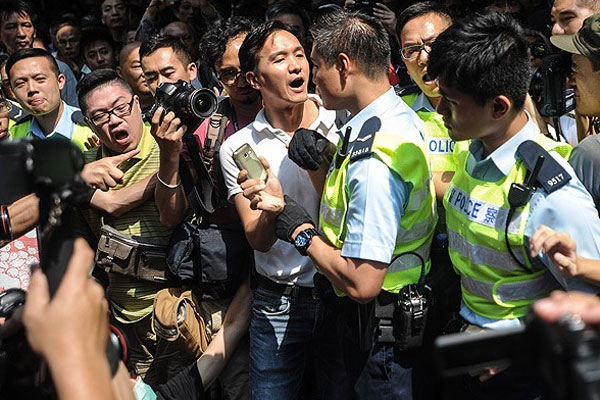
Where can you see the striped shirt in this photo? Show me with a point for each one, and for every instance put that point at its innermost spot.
(130, 299)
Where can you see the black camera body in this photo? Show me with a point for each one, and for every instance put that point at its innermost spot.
(548, 86)
(186, 102)
(364, 6)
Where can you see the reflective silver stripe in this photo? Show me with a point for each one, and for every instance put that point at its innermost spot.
(409, 261)
(418, 196)
(482, 212)
(331, 216)
(511, 291)
(482, 255)
(417, 231)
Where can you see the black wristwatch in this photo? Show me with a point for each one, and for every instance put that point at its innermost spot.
(302, 241)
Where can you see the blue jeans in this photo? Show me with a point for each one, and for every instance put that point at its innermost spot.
(286, 334)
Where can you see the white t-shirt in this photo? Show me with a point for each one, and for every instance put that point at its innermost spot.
(282, 263)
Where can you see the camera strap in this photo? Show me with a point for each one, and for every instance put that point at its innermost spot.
(199, 194)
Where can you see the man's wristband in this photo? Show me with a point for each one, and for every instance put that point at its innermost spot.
(165, 184)
(6, 229)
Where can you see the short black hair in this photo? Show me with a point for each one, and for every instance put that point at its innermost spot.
(255, 40)
(288, 7)
(95, 80)
(23, 54)
(159, 41)
(66, 20)
(418, 10)
(20, 7)
(483, 55)
(214, 42)
(363, 38)
(94, 34)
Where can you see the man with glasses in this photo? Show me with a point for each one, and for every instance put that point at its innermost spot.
(417, 27)
(127, 162)
(36, 83)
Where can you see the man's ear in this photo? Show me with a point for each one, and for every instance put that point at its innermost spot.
(343, 65)
(61, 81)
(118, 69)
(253, 80)
(192, 71)
(501, 105)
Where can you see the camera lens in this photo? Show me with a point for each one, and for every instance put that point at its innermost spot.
(203, 103)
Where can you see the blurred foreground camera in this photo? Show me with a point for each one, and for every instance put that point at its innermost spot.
(548, 86)
(565, 354)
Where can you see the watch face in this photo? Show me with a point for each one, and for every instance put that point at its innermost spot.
(301, 240)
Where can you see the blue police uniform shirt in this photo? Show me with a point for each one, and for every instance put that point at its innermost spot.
(569, 209)
(377, 195)
(64, 127)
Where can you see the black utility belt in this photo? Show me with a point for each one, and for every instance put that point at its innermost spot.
(293, 291)
(119, 253)
(401, 318)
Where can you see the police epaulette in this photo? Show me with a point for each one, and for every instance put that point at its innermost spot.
(24, 117)
(77, 117)
(364, 141)
(552, 175)
(406, 90)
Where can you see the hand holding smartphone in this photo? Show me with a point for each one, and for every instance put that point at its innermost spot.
(246, 158)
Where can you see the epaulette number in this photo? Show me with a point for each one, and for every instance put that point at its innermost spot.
(556, 179)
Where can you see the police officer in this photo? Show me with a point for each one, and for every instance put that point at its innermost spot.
(378, 200)
(417, 27)
(36, 83)
(509, 181)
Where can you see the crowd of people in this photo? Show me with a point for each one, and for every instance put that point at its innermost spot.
(372, 175)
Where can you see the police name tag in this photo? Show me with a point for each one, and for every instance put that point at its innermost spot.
(476, 210)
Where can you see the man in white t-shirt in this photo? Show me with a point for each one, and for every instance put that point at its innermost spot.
(291, 325)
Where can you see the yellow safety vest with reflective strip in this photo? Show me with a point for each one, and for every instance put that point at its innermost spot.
(81, 133)
(408, 160)
(493, 284)
(438, 144)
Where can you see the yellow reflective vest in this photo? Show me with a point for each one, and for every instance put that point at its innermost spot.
(81, 133)
(408, 160)
(493, 284)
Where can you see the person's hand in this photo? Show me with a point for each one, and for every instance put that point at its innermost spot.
(292, 216)
(168, 132)
(265, 196)
(104, 174)
(92, 142)
(386, 16)
(307, 149)
(558, 304)
(158, 6)
(4, 118)
(559, 247)
(73, 325)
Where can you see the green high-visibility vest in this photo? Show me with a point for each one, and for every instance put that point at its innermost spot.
(438, 144)
(408, 160)
(493, 284)
(81, 133)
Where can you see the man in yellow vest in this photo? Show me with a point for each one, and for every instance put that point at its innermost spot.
(377, 213)
(511, 180)
(36, 82)
(417, 27)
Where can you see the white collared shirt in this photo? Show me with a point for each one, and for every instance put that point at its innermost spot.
(282, 263)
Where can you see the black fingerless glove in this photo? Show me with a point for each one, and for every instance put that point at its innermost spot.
(306, 149)
(292, 216)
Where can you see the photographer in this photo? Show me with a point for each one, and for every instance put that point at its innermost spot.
(482, 68)
(225, 254)
(373, 208)
(586, 81)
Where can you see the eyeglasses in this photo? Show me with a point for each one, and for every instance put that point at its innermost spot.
(120, 110)
(229, 77)
(413, 51)
(5, 106)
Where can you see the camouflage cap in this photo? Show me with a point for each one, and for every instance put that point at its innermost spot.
(585, 42)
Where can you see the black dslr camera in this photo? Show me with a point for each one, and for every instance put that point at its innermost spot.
(565, 354)
(548, 86)
(188, 104)
(364, 6)
(49, 168)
